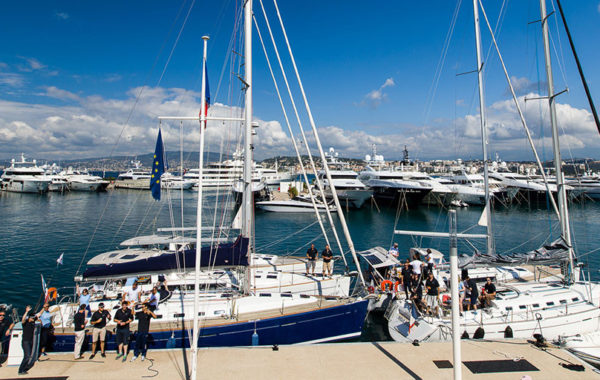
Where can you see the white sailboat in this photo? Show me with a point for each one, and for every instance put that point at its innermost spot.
(553, 308)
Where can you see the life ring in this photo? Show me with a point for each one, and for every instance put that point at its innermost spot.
(371, 289)
(52, 294)
(385, 283)
(396, 285)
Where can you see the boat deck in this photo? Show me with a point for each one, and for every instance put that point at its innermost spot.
(330, 361)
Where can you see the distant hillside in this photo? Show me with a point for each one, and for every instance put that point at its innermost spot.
(293, 160)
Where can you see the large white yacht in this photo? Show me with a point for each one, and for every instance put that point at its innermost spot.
(82, 180)
(134, 178)
(587, 184)
(24, 177)
(218, 175)
(350, 190)
(470, 188)
(392, 185)
(58, 181)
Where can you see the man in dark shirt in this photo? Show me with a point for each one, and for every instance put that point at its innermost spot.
(473, 291)
(99, 330)
(489, 292)
(123, 317)
(79, 328)
(406, 277)
(327, 256)
(6, 326)
(312, 254)
(433, 293)
(143, 318)
(416, 291)
(28, 322)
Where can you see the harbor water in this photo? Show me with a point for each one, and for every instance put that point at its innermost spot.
(37, 229)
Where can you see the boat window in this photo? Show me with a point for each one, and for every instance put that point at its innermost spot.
(226, 295)
(271, 276)
(219, 312)
(563, 301)
(265, 294)
(201, 314)
(536, 305)
(575, 299)
(259, 276)
(128, 257)
(178, 315)
(113, 254)
(522, 307)
(550, 303)
(508, 308)
(304, 296)
(289, 295)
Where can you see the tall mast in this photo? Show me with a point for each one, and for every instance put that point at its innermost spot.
(247, 177)
(194, 344)
(484, 139)
(562, 195)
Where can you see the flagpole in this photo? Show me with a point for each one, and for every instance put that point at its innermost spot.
(194, 343)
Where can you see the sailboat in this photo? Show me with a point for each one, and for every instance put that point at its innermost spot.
(554, 308)
(241, 315)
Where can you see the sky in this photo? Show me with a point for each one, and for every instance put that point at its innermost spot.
(83, 79)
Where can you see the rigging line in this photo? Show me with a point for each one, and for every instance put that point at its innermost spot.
(518, 107)
(562, 55)
(497, 31)
(287, 121)
(441, 61)
(312, 163)
(287, 236)
(579, 68)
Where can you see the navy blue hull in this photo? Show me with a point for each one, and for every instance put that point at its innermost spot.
(328, 324)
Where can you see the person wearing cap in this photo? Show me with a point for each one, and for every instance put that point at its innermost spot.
(143, 318)
(6, 326)
(79, 328)
(28, 322)
(393, 252)
(99, 330)
(46, 318)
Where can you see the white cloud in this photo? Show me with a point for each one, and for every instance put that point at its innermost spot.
(375, 97)
(31, 64)
(90, 127)
(113, 78)
(61, 15)
(524, 85)
(11, 79)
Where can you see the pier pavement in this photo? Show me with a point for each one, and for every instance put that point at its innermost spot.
(382, 360)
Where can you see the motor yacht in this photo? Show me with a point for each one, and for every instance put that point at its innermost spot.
(24, 177)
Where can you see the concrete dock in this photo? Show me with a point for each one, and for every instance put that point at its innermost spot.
(383, 360)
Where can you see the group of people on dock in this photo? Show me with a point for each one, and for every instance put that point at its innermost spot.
(85, 319)
(418, 275)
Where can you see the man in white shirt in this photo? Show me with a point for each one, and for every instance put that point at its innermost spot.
(393, 252)
(134, 295)
(416, 265)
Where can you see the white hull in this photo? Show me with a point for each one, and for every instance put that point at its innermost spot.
(291, 206)
(554, 310)
(353, 198)
(136, 184)
(26, 185)
(85, 186)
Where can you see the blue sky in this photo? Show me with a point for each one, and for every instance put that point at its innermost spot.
(70, 73)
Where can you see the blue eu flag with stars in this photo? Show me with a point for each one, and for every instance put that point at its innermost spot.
(158, 167)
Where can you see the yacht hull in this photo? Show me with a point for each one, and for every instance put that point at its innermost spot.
(352, 198)
(25, 186)
(323, 325)
(391, 196)
(85, 186)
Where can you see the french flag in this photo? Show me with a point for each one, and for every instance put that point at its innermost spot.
(207, 102)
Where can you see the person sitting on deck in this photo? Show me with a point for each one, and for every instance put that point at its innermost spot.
(327, 256)
(489, 293)
(311, 254)
(153, 300)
